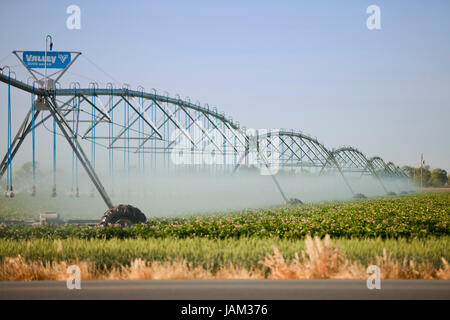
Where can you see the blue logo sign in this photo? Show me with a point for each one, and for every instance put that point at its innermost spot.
(55, 59)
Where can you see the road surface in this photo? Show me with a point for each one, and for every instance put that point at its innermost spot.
(227, 289)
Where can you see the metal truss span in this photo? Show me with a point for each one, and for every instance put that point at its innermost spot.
(155, 129)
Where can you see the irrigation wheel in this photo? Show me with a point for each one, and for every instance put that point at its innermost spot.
(124, 215)
(293, 202)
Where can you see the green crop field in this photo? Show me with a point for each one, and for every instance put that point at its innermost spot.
(410, 216)
(413, 230)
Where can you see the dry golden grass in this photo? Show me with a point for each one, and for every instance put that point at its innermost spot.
(319, 260)
(409, 269)
(179, 269)
(18, 269)
(140, 269)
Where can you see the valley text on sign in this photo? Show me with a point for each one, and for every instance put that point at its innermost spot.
(55, 59)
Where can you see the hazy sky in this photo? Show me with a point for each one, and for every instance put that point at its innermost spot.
(312, 66)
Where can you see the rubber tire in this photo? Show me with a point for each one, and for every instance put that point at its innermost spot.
(293, 202)
(123, 214)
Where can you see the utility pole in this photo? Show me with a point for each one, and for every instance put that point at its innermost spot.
(421, 171)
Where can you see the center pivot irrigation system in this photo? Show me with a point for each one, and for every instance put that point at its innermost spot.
(161, 132)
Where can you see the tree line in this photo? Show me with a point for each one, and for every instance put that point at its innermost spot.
(430, 178)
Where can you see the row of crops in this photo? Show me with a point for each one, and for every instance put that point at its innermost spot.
(420, 215)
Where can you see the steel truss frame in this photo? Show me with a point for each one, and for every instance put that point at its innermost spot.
(155, 123)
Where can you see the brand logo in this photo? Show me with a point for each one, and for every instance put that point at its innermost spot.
(62, 57)
(53, 59)
(32, 58)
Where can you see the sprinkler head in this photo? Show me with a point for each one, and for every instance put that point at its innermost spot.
(359, 196)
(390, 193)
(33, 191)
(54, 192)
(77, 193)
(9, 192)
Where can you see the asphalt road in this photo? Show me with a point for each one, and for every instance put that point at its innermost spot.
(227, 289)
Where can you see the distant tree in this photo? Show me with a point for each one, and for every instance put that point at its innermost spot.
(438, 177)
(414, 173)
(426, 176)
(409, 170)
(27, 168)
(25, 173)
